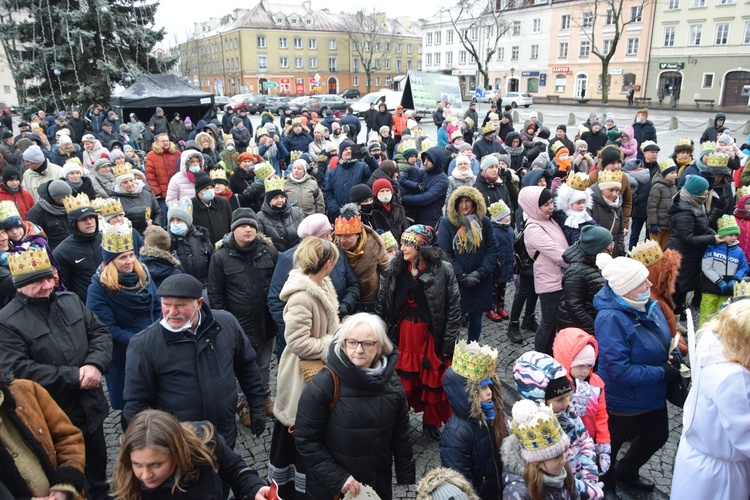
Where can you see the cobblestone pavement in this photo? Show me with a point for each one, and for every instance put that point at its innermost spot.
(256, 450)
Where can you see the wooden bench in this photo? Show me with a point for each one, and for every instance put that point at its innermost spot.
(643, 100)
(708, 102)
(550, 98)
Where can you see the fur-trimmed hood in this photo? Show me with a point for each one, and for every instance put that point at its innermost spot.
(465, 192)
(185, 158)
(663, 275)
(510, 451)
(202, 135)
(436, 477)
(158, 149)
(158, 253)
(463, 396)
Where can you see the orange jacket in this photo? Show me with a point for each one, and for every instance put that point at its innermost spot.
(399, 121)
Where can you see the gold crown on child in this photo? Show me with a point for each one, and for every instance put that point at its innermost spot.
(708, 146)
(579, 181)
(295, 155)
(117, 238)
(717, 160)
(742, 289)
(647, 253)
(473, 361)
(8, 209)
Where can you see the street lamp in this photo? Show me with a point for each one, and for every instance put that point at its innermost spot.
(512, 71)
(57, 71)
(127, 79)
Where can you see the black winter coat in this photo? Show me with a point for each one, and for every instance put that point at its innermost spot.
(194, 252)
(643, 132)
(443, 299)
(238, 282)
(53, 222)
(144, 198)
(482, 147)
(610, 218)
(690, 236)
(492, 192)
(365, 432)
(581, 281)
(280, 224)
(193, 376)
(79, 256)
(47, 341)
(239, 181)
(383, 119)
(595, 141)
(216, 217)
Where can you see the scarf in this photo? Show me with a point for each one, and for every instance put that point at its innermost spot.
(514, 151)
(462, 175)
(227, 194)
(701, 166)
(613, 204)
(488, 408)
(353, 256)
(576, 218)
(555, 481)
(491, 180)
(290, 178)
(565, 165)
(271, 152)
(696, 201)
(51, 208)
(741, 214)
(74, 185)
(683, 163)
(469, 236)
(378, 368)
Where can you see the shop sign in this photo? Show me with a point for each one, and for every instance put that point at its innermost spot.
(671, 65)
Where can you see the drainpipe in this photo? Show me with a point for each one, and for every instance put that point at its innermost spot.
(647, 59)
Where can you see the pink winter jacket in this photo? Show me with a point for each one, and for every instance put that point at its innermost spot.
(630, 147)
(182, 183)
(544, 235)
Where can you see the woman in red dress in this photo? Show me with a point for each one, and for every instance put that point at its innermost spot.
(421, 305)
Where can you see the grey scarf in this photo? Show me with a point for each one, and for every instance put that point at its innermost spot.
(50, 208)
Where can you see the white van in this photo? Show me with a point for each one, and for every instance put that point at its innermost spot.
(390, 97)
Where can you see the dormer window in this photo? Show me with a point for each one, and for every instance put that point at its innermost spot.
(293, 20)
(279, 20)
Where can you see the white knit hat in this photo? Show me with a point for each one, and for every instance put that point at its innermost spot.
(69, 167)
(623, 274)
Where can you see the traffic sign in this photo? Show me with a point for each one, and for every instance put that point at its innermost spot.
(270, 85)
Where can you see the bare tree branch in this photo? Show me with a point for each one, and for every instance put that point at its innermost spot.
(372, 37)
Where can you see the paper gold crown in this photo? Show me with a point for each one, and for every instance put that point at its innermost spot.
(708, 147)
(75, 202)
(111, 206)
(253, 150)
(29, 261)
(717, 160)
(8, 209)
(647, 253)
(665, 164)
(349, 222)
(217, 174)
(556, 146)
(97, 203)
(295, 155)
(579, 181)
(117, 239)
(742, 191)
(426, 144)
(727, 222)
(456, 134)
(185, 204)
(742, 289)
(684, 141)
(388, 240)
(488, 129)
(263, 170)
(610, 176)
(405, 145)
(277, 184)
(124, 169)
(473, 361)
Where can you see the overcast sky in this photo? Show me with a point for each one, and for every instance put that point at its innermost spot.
(178, 16)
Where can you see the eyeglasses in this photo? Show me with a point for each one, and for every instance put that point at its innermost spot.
(367, 345)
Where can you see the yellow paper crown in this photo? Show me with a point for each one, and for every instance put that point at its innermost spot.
(406, 145)
(487, 129)
(498, 208)
(295, 155)
(263, 170)
(253, 150)
(717, 160)
(579, 181)
(75, 202)
(8, 209)
(388, 240)
(742, 191)
(610, 176)
(647, 253)
(684, 141)
(742, 289)
(184, 204)
(111, 206)
(29, 261)
(97, 203)
(117, 238)
(708, 147)
(123, 169)
(473, 361)
(217, 174)
(426, 144)
(665, 164)
(277, 184)
(456, 134)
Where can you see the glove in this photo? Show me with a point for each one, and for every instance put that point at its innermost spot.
(581, 397)
(556, 182)
(257, 422)
(471, 279)
(421, 188)
(654, 229)
(603, 455)
(727, 288)
(365, 152)
(670, 372)
(507, 175)
(343, 311)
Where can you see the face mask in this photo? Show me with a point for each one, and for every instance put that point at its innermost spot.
(643, 296)
(366, 209)
(179, 229)
(638, 120)
(385, 198)
(194, 170)
(208, 195)
(230, 148)
(187, 326)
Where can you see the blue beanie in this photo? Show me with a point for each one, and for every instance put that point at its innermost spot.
(696, 185)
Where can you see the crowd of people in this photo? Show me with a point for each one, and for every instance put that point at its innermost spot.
(173, 260)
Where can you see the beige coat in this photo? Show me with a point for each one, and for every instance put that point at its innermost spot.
(371, 266)
(307, 194)
(311, 318)
(32, 180)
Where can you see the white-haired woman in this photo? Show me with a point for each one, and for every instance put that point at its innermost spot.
(302, 190)
(354, 438)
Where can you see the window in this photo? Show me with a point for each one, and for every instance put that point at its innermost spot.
(313, 62)
(632, 47)
(355, 45)
(636, 13)
(438, 36)
(473, 34)
(560, 83)
(283, 44)
(261, 42)
(565, 22)
(428, 41)
(332, 44)
(408, 64)
(308, 22)
(588, 19)
(669, 36)
(699, 3)
(534, 52)
(398, 48)
(514, 53)
(262, 62)
(673, 4)
(355, 65)
(409, 48)
(312, 44)
(461, 57)
(562, 50)
(516, 28)
(746, 36)
(355, 81)
(297, 43)
(298, 62)
(332, 64)
(428, 60)
(606, 46)
(387, 47)
(368, 47)
(585, 49)
(708, 81)
(449, 37)
(722, 34)
(610, 18)
(500, 53)
(279, 20)
(283, 62)
(437, 61)
(536, 25)
(376, 47)
(398, 63)
(725, 2)
(448, 60)
(377, 81)
(696, 31)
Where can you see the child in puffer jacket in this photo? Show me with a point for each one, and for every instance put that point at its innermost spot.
(472, 438)
(629, 145)
(502, 274)
(577, 351)
(540, 378)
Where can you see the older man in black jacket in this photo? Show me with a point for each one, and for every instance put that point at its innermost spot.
(187, 363)
(51, 338)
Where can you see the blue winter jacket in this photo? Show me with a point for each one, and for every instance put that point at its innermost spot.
(442, 136)
(281, 152)
(505, 236)
(342, 178)
(722, 263)
(297, 142)
(428, 204)
(630, 354)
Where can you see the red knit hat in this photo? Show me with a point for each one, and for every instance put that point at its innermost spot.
(381, 184)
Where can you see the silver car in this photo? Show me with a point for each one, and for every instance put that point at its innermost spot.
(516, 99)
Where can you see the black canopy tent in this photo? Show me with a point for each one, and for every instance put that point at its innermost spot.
(168, 92)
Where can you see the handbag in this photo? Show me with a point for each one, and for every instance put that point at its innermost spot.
(309, 367)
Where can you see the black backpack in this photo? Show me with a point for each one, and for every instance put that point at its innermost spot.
(522, 258)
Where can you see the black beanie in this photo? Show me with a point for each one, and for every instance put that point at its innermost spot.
(610, 155)
(360, 193)
(544, 196)
(10, 172)
(242, 217)
(563, 128)
(202, 180)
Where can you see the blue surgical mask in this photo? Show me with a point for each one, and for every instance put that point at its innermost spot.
(178, 229)
(194, 169)
(230, 148)
(208, 195)
(643, 296)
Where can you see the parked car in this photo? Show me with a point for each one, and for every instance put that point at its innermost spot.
(318, 103)
(351, 94)
(220, 102)
(485, 96)
(391, 98)
(257, 103)
(516, 99)
(278, 104)
(296, 104)
(239, 101)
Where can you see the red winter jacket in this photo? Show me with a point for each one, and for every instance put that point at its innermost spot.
(21, 198)
(160, 167)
